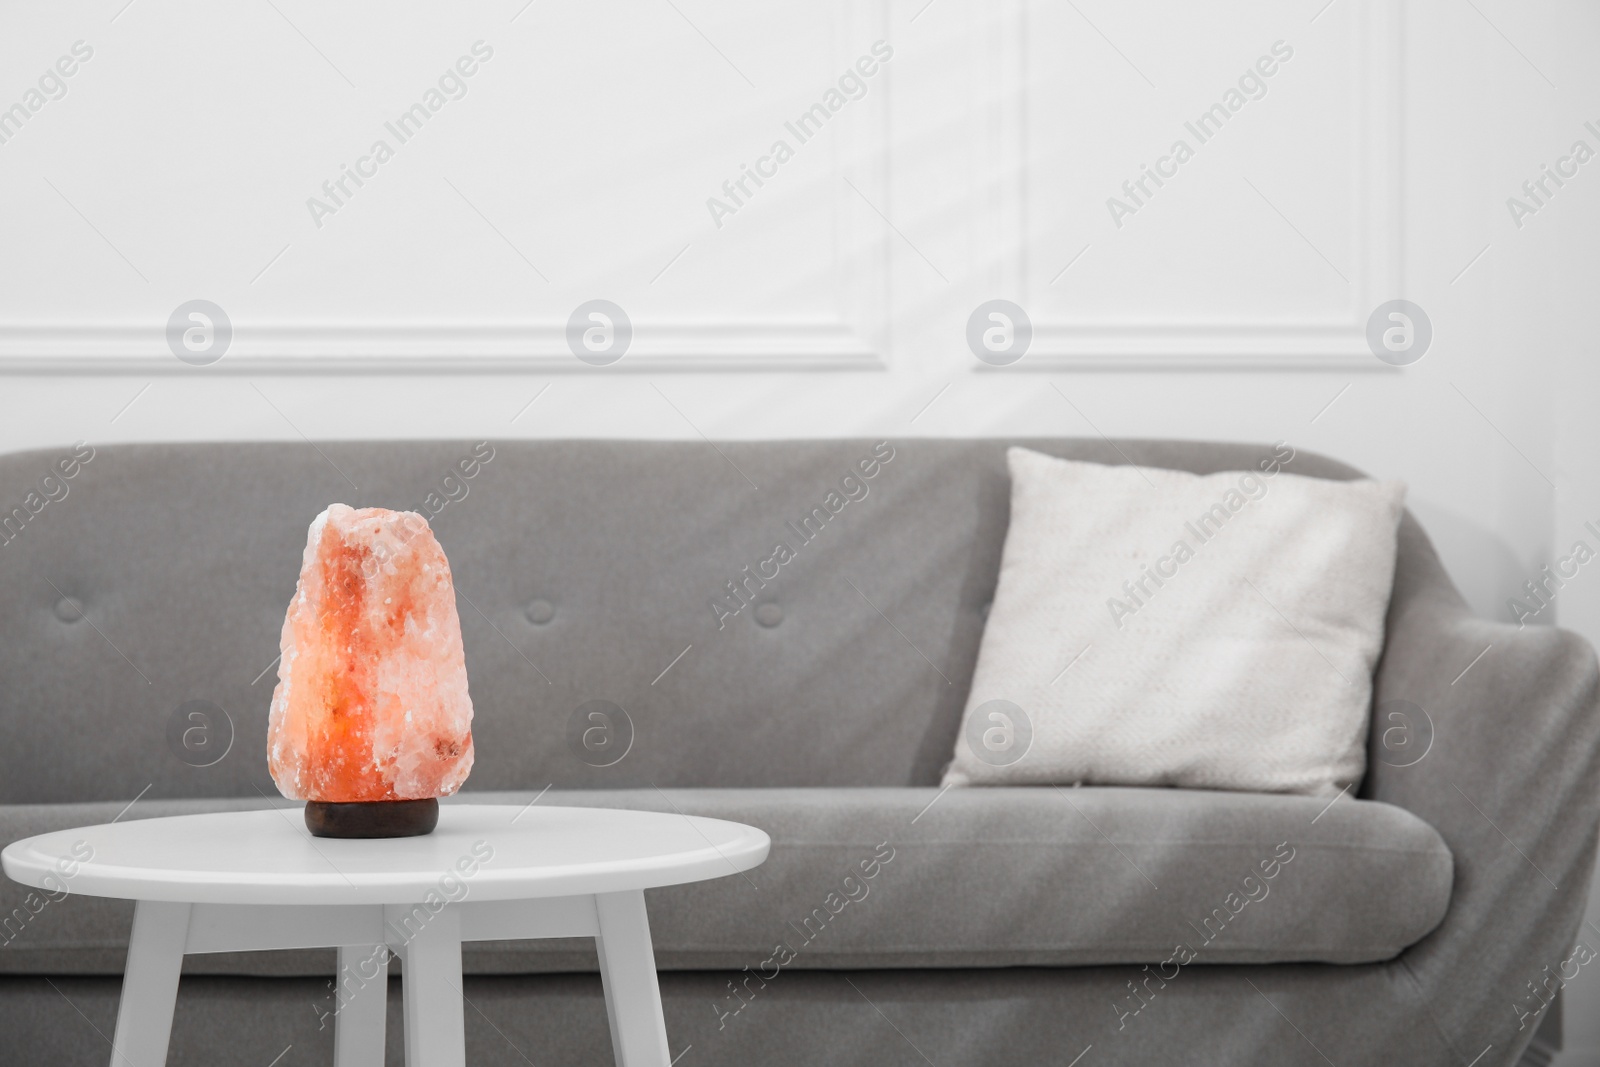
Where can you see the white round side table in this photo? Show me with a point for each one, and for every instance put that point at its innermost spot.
(241, 881)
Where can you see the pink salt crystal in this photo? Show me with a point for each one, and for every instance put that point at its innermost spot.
(372, 697)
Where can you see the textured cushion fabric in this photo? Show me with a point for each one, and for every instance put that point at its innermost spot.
(1156, 627)
(874, 878)
(1363, 1016)
(583, 569)
(177, 554)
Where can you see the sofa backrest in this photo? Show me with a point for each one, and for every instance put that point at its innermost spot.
(586, 571)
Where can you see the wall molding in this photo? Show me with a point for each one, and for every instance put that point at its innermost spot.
(440, 346)
(1146, 344)
(848, 332)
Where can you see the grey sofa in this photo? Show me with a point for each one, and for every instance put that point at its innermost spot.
(1411, 923)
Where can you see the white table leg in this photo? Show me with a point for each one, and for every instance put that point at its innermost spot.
(150, 984)
(435, 1030)
(362, 995)
(628, 972)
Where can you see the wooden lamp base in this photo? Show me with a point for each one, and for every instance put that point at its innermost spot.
(372, 818)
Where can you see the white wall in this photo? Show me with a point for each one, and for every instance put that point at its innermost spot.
(578, 165)
(180, 162)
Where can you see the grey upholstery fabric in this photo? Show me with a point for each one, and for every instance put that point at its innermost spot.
(184, 557)
(1510, 784)
(1017, 1017)
(878, 878)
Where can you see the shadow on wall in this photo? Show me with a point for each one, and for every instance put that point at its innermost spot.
(1483, 566)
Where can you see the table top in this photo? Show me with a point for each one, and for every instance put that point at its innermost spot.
(478, 852)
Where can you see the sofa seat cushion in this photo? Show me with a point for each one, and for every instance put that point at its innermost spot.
(965, 877)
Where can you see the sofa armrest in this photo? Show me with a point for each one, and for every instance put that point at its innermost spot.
(1510, 784)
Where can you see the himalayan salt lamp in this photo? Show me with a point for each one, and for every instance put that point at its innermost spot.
(371, 721)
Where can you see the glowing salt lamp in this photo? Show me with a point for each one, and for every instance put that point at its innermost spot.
(371, 721)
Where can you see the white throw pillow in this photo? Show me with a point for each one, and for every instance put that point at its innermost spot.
(1156, 627)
